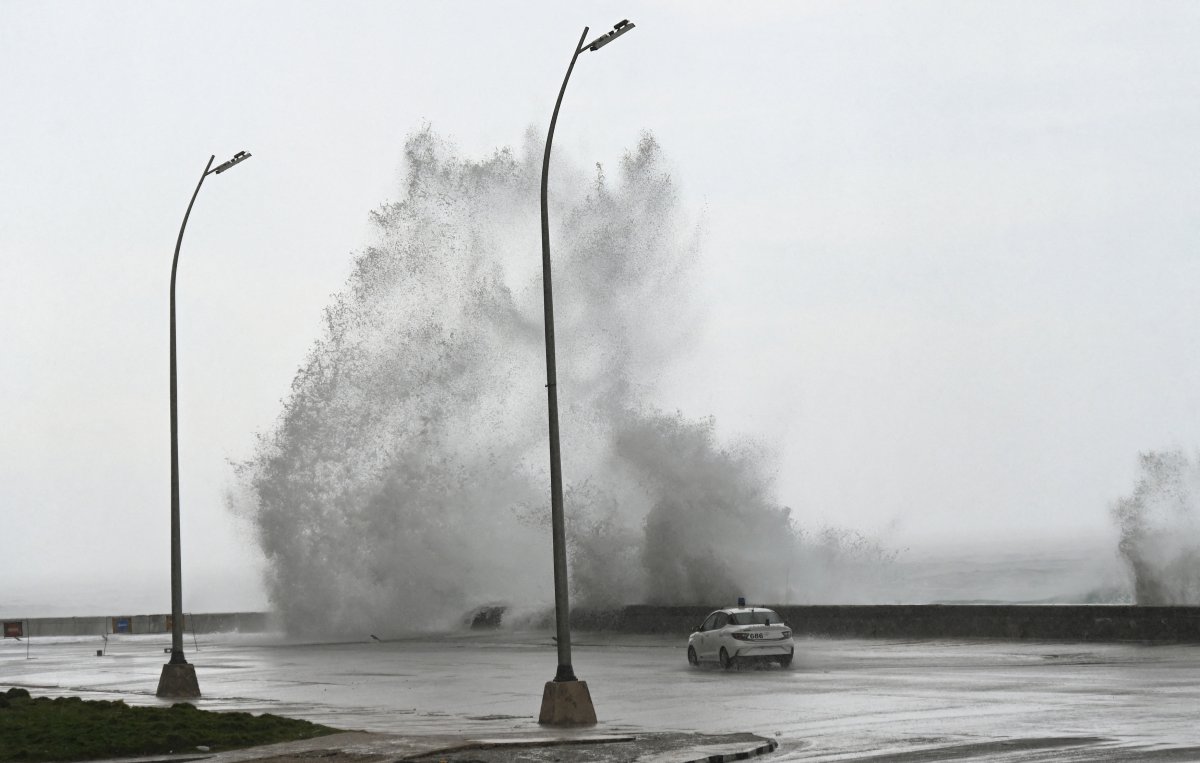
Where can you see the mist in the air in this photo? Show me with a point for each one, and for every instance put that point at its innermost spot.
(407, 479)
(1160, 529)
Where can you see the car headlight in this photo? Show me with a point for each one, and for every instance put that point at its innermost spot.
(786, 634)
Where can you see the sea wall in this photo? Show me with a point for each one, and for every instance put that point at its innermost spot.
(1003, 621)
(921, 621)
(103, 625)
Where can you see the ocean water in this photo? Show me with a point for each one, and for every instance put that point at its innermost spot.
(118, 594)
(1047, 573)
(1062, 572)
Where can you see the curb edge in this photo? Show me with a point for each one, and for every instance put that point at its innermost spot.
(770, 746)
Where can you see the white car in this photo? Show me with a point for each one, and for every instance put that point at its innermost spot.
(741, 633)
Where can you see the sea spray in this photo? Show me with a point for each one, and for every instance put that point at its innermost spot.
(1160, 529)
(406, 482)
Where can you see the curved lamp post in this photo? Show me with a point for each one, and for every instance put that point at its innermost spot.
(566, 699)
(178, 677)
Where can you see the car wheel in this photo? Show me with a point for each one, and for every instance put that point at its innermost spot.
(692, 658)
(786, 660)
(726, 660)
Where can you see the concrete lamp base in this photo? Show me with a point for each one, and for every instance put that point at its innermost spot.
(178, 681)
(567, 703)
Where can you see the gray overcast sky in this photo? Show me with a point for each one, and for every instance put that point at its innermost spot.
(950, 266)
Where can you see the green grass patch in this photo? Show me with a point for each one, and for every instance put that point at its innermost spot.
(69, 728)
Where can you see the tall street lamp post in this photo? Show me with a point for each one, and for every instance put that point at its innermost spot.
(566, 699)
(178, 677)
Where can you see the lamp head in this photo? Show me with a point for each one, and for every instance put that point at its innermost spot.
(240, 156)
(620, 28)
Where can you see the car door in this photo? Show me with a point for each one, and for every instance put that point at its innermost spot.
(716, 637)
(704, 648)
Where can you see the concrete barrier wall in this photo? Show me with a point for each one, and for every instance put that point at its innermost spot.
(1039, 622)
(242, 622)
(66, 626)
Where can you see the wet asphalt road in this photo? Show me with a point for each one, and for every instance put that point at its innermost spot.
(840, 700)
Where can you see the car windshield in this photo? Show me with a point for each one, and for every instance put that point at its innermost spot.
(758, 617)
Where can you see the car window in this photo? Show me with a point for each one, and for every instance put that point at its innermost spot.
(758, 617)
(709, 624)
(722, 620)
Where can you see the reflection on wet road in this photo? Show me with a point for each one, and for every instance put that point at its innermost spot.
(840, 700)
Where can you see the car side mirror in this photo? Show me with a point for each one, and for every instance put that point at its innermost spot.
(700, 628)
